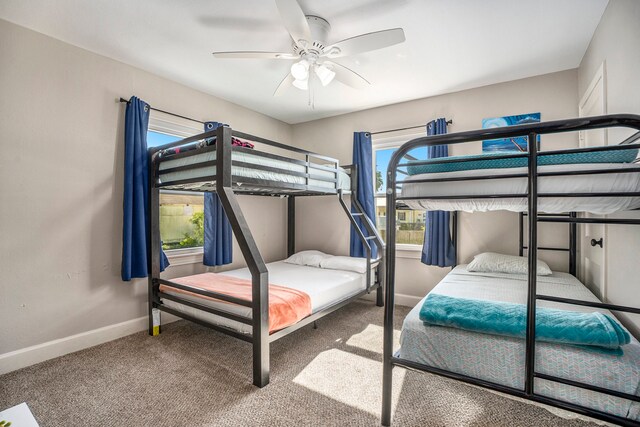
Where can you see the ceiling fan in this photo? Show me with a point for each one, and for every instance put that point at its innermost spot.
(312, 53)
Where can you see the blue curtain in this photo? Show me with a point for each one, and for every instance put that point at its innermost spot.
(363, 160)
(218, 238)
(135, 225)
(438, 248)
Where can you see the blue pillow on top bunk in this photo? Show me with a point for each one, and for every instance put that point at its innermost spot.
(493, 161)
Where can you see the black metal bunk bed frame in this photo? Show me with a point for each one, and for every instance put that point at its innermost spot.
(226, 186)
(531, 131)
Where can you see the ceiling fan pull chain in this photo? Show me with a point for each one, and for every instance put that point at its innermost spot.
(312, 92)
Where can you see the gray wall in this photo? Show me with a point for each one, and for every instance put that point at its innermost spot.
(616, 42)
(61, 201)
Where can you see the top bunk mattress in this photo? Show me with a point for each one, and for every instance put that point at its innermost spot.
(287, 172)
(500, 359)
(617, 180)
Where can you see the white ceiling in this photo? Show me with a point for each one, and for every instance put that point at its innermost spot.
(451, 45)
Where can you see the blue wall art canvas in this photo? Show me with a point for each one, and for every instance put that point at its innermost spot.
(508, 144)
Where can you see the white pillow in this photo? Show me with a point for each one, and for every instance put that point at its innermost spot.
(359, 265)
(490, 262)
(310, 258)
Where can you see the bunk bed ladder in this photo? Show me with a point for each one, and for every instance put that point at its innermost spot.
(371, 235)
(374, 236)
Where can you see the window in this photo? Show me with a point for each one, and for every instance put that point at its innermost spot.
(181, 212)
(410, 224)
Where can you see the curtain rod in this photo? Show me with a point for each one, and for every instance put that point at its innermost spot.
(200, 121)
(449, 122)
(167, 112)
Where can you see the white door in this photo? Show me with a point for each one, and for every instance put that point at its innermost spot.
(592, 267)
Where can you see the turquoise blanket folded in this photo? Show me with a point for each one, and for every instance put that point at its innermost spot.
(501, 318)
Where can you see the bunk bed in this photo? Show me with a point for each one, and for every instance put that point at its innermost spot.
(263, 302)
(553, 186)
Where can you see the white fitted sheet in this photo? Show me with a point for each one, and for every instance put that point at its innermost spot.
(600, 183)
(325, 287)
(344, 181)
(500, 359)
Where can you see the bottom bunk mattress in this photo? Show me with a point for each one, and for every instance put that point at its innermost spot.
(324, 288)
(501, 359)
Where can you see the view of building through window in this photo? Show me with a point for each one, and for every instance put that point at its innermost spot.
(181, 213)
(410, 223)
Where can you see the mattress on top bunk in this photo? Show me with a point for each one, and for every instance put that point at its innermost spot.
(325, 287)
(344, 181)
(615, 181)
(501, 359)
(496, 160)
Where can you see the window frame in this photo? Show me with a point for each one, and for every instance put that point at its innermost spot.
(168, 125)
(405, 250)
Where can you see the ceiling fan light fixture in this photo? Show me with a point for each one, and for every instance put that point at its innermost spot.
(302, 84)
(300, 70)
(325, 74)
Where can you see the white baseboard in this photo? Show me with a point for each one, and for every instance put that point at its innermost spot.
(39, 353)
(400, 299)
(407, 300)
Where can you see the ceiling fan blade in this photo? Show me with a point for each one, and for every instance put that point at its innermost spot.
(294, 20)
(284, 84)
(347, 76)
(366, 43)
(248, 54)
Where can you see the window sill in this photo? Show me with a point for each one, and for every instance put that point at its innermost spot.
(185, 256)
(408, 251)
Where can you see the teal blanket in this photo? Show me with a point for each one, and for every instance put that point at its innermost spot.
(493, 160)
(501, 318)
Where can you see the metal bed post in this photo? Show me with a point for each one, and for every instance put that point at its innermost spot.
(291, 225)
(153, 244)
(521, 233)
(573, 245)
(257, 266)
(387, 353)
(533, 264)
(454, 237)
(381, 269)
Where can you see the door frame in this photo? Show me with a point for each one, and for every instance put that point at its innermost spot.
(598, 82)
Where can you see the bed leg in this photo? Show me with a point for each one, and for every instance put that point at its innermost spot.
(150, 328)
(150, 306)
(379, 297)
(261, 330)
(387, 382)
(315, 325)
(261, 376)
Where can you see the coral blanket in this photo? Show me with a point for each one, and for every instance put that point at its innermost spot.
(286, 305)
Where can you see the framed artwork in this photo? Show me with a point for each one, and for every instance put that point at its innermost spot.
(508, 144)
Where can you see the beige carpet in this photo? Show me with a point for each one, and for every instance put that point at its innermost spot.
(192, 376)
